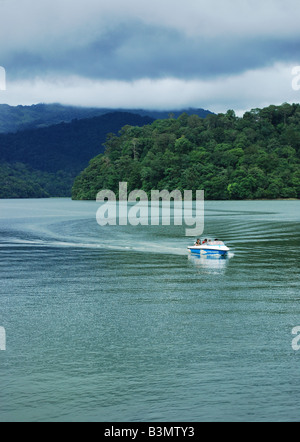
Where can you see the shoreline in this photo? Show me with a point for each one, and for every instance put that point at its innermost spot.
(70, 198)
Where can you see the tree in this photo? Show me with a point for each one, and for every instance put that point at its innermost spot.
(256, 156)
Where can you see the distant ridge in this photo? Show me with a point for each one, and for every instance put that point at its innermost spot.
(17, 118)
(44, 162)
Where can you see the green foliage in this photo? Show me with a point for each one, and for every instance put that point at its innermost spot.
(53, 156)
(253, 157)
(20, 181)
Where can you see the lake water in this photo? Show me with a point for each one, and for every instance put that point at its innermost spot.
(120, 324)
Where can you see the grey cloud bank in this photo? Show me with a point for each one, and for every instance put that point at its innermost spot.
(130, 43)
(133, 51)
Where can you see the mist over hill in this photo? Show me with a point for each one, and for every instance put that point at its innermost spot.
(18, 118)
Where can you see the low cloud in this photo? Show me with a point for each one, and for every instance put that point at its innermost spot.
(253, 88)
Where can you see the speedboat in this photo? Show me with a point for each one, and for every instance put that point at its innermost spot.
(210, 248)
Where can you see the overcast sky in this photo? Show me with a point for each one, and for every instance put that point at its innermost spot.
(159, 54)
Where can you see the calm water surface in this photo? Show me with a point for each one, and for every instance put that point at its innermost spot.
(120, 324)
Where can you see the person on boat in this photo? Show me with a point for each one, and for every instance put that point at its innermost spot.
(217, 242)
(198, 242)
(205, 241)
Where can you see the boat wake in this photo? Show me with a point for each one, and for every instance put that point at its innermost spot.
(86, 234)
(121, 246)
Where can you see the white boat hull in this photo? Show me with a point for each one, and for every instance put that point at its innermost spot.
(207, 249)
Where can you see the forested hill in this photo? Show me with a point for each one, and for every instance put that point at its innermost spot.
(64, 146)
(18, 118)
(44, 162)
(253, 157)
